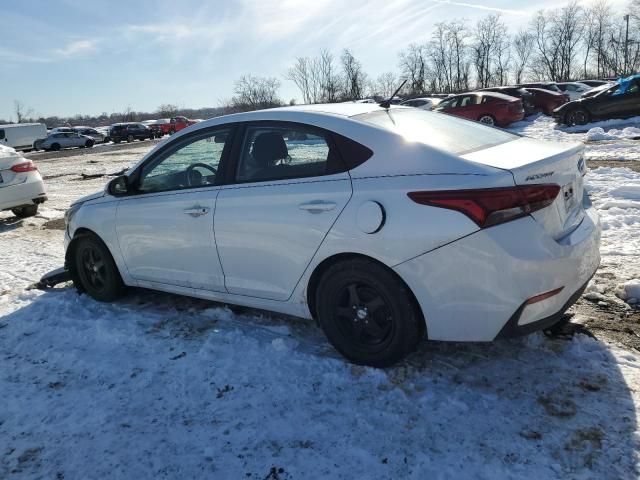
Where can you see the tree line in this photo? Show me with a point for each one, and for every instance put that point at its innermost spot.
(559, 44)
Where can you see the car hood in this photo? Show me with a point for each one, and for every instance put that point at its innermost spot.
(92, 196)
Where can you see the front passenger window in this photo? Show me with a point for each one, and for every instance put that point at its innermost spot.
(192, 165)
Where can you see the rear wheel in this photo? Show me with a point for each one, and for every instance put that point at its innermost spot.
(577, 116)
(487, 120)
(94, 270)
(26, 211)
(130, 138)
(368, 314)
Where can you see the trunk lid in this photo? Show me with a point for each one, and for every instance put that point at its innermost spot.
(536, 162)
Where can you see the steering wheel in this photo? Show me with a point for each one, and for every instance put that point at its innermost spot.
(193, 179)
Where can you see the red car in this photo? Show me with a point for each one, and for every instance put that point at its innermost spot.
(490, 108)
(174, 125)
(546, 100)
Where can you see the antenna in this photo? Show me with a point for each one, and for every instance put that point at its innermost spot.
(387, 103)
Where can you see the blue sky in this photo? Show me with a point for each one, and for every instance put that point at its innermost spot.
(77, 56)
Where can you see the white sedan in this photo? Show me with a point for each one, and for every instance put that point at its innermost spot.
(573, 89)
(21, 186)
(385, 225)
(60, 140)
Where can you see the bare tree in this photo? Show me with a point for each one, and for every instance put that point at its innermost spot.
(354, 79)
(255, 93)
(386, 84)
(413, 65)
(22, 112)
(523, 46)
(490, 51)
(167, 110)
(302, 75)
(329, 82)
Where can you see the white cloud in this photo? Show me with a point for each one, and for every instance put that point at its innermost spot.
(76, 48)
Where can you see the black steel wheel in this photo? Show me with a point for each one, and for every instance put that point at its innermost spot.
(368, 313)
(94, 270)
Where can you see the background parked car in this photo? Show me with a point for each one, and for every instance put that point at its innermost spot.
(22, 136)
(573, 89)
(174, 125)
(97, 136)
(490, 108)
(423, 103)
(546, 100)
(598, 89)
(593, 83)
(21, 186)
(521, 93)
(130, 131)
(64, 140)
(622, 100)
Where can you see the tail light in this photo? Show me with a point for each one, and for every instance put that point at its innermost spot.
(491, 206)
(27, 166)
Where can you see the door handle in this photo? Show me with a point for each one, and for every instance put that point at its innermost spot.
(197, 211)
(317, 206)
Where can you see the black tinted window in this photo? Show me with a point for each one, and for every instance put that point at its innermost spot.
(1, 134)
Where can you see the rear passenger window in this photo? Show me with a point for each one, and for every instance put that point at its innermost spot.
(1, 134)
(282, 152)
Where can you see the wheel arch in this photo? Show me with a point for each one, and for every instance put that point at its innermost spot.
(68, 255)
(324, 265)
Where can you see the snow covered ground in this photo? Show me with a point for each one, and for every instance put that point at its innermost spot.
(160, 386)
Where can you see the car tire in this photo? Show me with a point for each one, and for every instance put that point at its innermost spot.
(367, 312)
(172, 131)
(26, 211)
(55, 147)
(487, 119)
(94, 271)
(35, 147)
(130, 138)
(88, 144)
(577, 116)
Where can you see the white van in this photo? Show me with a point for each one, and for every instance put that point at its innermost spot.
(22, 136)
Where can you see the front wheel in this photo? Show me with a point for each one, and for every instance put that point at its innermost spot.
(26, 211)
(94, 270)
(578, 116)
(88, 144)
(368, 313)
(487, 120)
(130, 138)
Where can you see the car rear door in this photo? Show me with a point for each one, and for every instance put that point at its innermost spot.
(165, 231)
(286, 190)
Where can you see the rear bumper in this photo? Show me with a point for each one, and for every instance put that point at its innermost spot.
(475, 288)
(27, 193)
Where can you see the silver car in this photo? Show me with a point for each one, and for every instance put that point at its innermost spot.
(91, 132)
(65, 140)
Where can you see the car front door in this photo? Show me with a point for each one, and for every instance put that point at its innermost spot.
(287, 189)
(165, 230)
(618, 101)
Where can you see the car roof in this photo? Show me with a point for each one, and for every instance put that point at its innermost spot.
(542, 90)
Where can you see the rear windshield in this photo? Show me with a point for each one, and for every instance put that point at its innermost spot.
(446, 132)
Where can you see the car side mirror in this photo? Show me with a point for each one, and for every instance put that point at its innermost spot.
(119, 186)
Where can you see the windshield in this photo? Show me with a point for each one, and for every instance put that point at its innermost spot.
(446, 132)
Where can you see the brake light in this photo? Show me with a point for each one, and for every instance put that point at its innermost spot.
(27, 166)
(491, 206)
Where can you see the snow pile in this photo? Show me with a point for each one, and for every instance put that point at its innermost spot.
(616, 194)
(598, 134)
(630, 291)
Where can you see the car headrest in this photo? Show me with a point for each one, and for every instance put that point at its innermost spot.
(269, 147)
